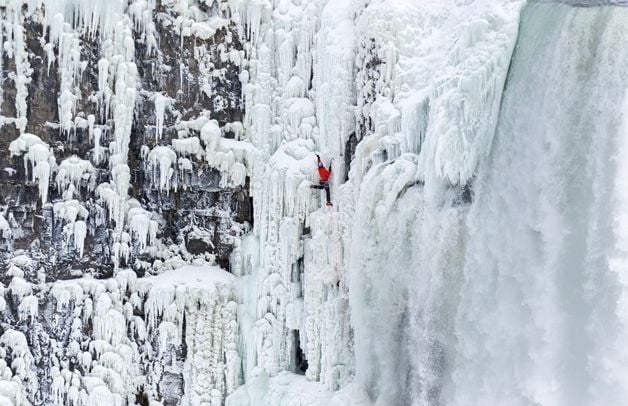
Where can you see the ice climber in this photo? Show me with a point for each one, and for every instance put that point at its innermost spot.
(323, 174)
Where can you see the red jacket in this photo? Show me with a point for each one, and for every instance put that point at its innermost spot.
(323, 172)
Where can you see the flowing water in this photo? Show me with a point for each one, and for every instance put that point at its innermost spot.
(542, 318)
(525, 304)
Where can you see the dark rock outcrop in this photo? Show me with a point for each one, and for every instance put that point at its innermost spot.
(173, 69)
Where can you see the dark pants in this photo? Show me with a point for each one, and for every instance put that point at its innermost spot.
(323, 185)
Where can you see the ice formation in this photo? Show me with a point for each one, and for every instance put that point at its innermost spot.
(73, 215)
(162, 159)
(234, 159)
(72, 171)
(161, 104)
(426, 118)
(110, 357)
(473, 255)
(38, 157)
(4, 227)
(142, 227)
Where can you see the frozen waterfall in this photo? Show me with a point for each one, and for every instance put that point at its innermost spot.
(162, 245)
(520, 297)
(483, 223)
(542, 318)
(517, 298)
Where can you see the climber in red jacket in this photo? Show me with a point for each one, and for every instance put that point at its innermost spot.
(323, 174)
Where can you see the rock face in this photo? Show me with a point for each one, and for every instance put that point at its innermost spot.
(121, 155)
(70, 76)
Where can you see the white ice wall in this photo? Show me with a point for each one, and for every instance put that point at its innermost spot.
(114, 339)
(433, 75)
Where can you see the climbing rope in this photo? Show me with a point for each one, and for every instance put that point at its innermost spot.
(334, 240)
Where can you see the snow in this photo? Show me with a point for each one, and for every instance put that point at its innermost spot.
(192, 275)
(288, 389)
(23, 143)
(188, 147)
(210, 134)
(206, 29)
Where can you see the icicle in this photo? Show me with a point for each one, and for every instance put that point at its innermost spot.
(161, 103)
(141, 225)
(72, 170)
(97, 136)
(40, 157)
(41, 173)
(163, 159)
(80, 232)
